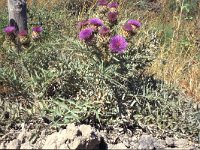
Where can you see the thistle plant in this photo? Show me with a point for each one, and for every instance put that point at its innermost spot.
(20, 39)
(36, 32)
(10, 36)
(23, 38)
(10, 32)
(100, 33)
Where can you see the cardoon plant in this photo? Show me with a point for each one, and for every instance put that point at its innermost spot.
(36, 32)
(104, 34)
(134, 23)
(102, 6)
(10, 32)
(113, 6)
(118, 44)
(23, 37)
(86, 34)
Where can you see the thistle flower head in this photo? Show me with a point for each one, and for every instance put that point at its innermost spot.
(135, 23)
(118, 44)
(112, 16)
(82, 24)
(23, 33)
(86, 34)
(127, 27)
(95, 21)
(113, 5)
(9, 29)
(102, 2)
(37, 29)
(104, 31)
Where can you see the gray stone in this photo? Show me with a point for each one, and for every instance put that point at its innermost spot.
(117, 146)
(15, 144)
(134, 145)
(169, 141)
(74, 137)
(3, 146)
(146, 142)
(181, 143)
(160, 144)
(64, 146)
(26, 145)
(71, 131)
(21, 136)
(126, 143)
(134, 139)
(50, 142)
(191, 147)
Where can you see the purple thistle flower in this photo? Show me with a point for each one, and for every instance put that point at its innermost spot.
(86, 34)
(135, 23)
(118, 44)
(95, 21)
(9, 29)
(113, 5)
(102, 2)
(104, 31)
(112, 16)
(81, 24)
(127, 27)
(23, 33)
(37, 29)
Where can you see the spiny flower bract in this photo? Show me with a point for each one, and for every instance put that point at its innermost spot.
(104, 31)
(127, 27)
(112, 16)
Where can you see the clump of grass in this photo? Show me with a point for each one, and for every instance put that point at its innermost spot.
(60, 79)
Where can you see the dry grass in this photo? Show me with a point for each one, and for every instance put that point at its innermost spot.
(179, 69)
(178, 63)
(43, 3)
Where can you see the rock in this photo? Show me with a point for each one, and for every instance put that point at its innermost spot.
(64, 146)
(88, 137)
(117, 146)
(86, 130)
(71, 132)
(74, 137)
(134, 145)
(50, 142)
(126, 142)
(191, 147)
(26, 145)
(3, 146)
(21, 135)
(134, 139)
(169, 141)
(181, 143)
(15, 144)
(61, 138)
(76, 144)
(160, 144)
(146, 142)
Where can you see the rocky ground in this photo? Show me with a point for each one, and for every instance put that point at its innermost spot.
(86, 137)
